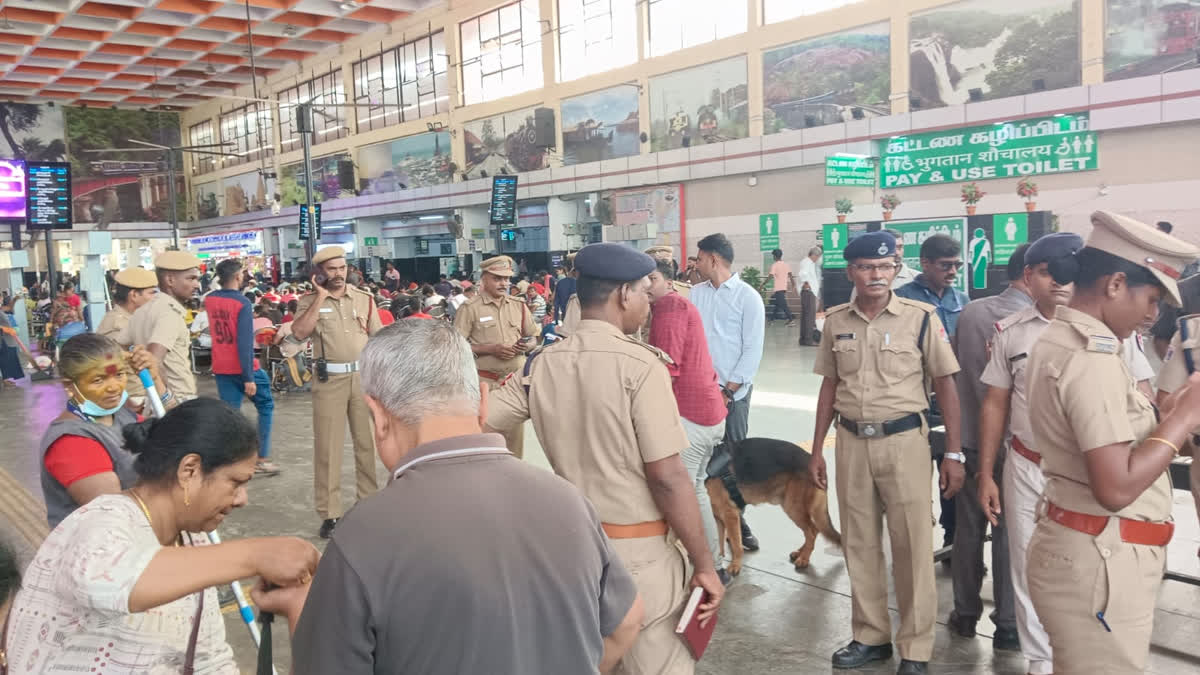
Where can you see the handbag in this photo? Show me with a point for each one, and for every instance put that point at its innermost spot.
(189, 659)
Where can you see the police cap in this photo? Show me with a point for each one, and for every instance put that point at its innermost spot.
(664, 253)
(136, 277)
(1051, 247)
(176, 261)
(1139, 243)
(613, 262)
(328, 253)
(501, 266)
(872, 245)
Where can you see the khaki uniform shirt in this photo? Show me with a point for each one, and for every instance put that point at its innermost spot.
(1174, 372)
(343, 324)
(571, 319)
(879, 367)
(1082, 397)
(1006, 368)
(503, 321)
(161, 321)
(115, 325)
(602, 407)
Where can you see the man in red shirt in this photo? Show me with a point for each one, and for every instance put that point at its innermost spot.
(676, 328)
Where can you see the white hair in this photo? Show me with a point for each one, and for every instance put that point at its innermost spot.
(416, 368)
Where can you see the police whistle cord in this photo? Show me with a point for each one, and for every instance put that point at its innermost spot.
(244, 607)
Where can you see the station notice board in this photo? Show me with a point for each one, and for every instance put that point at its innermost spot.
(48, 195)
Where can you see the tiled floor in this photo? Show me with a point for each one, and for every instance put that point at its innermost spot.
(775, 620)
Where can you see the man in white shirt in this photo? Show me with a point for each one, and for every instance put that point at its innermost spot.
(808, 279)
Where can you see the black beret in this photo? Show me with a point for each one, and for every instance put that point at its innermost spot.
(871, 245)
(1051, 247)
(614, 262)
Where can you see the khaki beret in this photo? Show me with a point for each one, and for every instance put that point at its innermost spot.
(501, 266)
(176, 261)
(1139, 243)
(137, 277)
(328, 253)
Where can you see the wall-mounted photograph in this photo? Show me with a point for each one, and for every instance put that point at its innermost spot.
(827, 80)
(1150, 37)
(502, 144)
(326, 185)
(32, 132)
(410, 162)
(204, 196)
(247, 192)
(984, 49)
(705, 104)
(600, 125)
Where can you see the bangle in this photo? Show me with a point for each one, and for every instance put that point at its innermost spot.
(165, 397)
(1165, 442)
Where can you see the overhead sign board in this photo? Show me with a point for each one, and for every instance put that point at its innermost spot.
(1058, 144)
(307, 232)
(504, 200)
(226, 244)
(850, 170)
(48, 195)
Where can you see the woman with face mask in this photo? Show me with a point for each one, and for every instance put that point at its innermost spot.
(127, 583)
(81, 451)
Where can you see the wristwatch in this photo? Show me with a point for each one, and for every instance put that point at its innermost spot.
(956, 456)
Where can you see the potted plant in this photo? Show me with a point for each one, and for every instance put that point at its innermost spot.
(843, 206)
(1028, 190)
(889, 204)
(971, 194)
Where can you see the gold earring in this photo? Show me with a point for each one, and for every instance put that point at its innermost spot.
(186, 500)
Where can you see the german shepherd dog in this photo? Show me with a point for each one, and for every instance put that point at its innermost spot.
(770, 471)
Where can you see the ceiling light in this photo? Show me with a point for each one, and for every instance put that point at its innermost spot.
(290, 30)
(348, 5)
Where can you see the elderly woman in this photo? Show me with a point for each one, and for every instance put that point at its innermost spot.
(128, 581)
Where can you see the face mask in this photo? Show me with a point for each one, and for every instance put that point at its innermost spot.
(91, 409)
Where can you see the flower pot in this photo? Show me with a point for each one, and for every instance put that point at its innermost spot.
(971, 209)
(1031, 206)
(841, 217)
(887, 215)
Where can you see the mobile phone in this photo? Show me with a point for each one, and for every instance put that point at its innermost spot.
(320, 278)
(322, 370)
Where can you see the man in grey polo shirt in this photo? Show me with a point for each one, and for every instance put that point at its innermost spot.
(470, 561)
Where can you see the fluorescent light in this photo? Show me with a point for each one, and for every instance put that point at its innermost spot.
(432, 217)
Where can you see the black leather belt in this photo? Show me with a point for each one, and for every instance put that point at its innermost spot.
(881, 429)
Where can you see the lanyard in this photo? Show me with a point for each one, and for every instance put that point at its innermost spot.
(449, 453)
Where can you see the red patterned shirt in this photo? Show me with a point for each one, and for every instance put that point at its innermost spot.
(676, 328)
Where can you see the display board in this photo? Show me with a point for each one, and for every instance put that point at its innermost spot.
(850, 170)
(49, 195)
(504, 200)
(12, 190)
(307, 232)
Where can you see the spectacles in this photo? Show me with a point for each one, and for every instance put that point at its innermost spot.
(882, 267)
(947, 265)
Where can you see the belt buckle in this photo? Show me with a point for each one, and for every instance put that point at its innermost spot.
(869, 429)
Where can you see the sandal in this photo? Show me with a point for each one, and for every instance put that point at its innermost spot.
(265, 468)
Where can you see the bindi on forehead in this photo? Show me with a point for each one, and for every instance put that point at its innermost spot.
(111, 369)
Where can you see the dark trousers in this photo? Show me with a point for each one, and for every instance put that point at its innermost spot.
(966, 562)
(808, 317)
(737, 422)
(778, 302)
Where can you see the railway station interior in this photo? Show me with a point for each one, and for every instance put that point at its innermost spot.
(207, 126)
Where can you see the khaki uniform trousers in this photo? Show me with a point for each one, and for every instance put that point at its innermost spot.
(890, 475)
(514, 438)
(334, 402)
(1073, 576)
(661, 571)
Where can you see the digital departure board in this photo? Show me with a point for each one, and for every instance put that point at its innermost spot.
(504, 200)
(307, 231)
(48, 197)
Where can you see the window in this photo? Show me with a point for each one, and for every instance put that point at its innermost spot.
(202, 134)
(402, 84)
(679, 24)
(328, 121)
(502, 52)
(782, 10)
(249, 130)
(595, 36)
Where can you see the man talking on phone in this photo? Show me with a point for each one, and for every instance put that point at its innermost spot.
(500, 329)
(339, 318)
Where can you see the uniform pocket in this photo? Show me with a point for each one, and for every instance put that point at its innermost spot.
(899, 361)
(848, 356)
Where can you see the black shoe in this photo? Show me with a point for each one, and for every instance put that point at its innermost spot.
(327, 527)
(749, 541)
(912, 667)
(856, 654)
(725, 577)
(1006, 639)
(961, 625)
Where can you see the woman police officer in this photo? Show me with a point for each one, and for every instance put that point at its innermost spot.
(1097, 555)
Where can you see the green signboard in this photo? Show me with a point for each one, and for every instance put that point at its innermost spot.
(854, 170)
(768, 232)
(1056, 144)
(370, 241)
(979, 254)
(833, 240)
(1009, 230)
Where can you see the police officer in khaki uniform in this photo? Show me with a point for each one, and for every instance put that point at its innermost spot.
(620, 446)
(161, 325)
(1181, 360)
(135, 287)
(1098, 552)
(874, 355)
(501, 330)
(339, 318)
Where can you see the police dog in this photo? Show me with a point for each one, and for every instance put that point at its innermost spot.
(769, 471)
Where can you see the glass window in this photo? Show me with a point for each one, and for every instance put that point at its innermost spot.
(329, 121)
(402, 84)
(679, 24)
(782, 10)
(595, 36)
(249, 130)
(502, 52)
(202, 134)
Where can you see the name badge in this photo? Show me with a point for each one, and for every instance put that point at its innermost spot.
(844, 336)
(1018, 357)
(325, 309)
(484, 319)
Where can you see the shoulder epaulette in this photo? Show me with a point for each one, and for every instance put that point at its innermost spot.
(662, 356)
(837, 308)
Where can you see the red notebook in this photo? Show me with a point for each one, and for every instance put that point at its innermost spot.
(695, 637)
